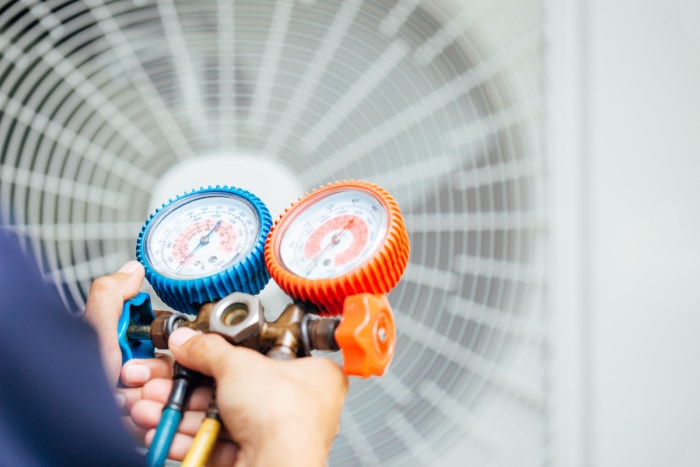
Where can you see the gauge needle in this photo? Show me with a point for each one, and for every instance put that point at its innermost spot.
(203, 240)
(335, 239)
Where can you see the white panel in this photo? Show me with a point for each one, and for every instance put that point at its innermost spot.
(644, 161)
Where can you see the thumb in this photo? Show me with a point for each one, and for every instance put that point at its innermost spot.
(108, 294)
(209, 354)
(104, 306)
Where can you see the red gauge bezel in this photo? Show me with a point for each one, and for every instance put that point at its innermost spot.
(378, 275)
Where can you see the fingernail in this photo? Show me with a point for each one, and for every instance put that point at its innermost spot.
(180, 336)
(130, 267)
(136, 373)
(120, 400)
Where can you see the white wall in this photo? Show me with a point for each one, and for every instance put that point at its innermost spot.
(641, 242)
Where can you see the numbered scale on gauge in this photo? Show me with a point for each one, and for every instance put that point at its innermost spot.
(204, 245)
(330, 238)
(203, 236)
(342, 239)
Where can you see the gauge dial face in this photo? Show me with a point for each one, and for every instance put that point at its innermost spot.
(201, 235)
(333, 234)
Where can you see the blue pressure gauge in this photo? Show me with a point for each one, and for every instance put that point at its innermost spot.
(204, 245)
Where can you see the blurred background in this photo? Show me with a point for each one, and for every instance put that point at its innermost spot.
(545, 154)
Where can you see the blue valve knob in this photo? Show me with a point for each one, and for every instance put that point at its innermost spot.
(136, 311)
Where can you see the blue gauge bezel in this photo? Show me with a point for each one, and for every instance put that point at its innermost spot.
(247, 275)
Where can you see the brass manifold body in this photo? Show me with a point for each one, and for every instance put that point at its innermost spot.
(240, 319)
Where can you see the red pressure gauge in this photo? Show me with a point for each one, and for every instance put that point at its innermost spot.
(340, 240)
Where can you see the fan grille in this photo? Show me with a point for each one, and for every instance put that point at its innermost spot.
(440, 103)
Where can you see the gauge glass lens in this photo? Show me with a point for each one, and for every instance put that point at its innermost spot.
(334, 234)
(201, 235)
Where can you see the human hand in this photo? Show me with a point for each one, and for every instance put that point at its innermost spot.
(276, 412)
(103, 309)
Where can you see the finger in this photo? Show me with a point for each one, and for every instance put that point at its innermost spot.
(147, 414)
(103, 308)
(332, 371)
(179, 446)
(138, 372)
(126, 398)
(211, 354)
(158, 390)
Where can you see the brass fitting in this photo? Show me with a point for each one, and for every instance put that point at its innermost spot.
(240, 319)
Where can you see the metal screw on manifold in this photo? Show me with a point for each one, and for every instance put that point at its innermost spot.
(382, 335)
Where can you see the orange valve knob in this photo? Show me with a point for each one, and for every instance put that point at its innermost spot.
(366, 335)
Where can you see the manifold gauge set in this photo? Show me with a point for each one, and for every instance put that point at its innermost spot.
(336, 252)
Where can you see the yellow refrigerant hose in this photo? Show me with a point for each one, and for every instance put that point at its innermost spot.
(203, 444)
(205, 440)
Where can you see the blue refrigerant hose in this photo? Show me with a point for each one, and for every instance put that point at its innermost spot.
(184, 382)
(167, 427)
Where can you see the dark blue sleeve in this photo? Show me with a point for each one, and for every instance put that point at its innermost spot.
(56, 406)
